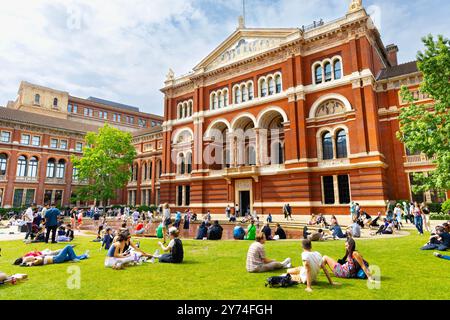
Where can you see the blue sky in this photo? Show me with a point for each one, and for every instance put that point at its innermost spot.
(122, 49)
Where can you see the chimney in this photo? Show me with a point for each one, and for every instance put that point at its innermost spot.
(392, 51)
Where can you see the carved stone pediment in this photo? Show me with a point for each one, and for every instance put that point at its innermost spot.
(330, 107)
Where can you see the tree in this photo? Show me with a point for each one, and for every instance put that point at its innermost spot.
(105, 164)
(426, 127)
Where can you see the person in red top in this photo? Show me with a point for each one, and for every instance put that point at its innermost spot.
(140, 228)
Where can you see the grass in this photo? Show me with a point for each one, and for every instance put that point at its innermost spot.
(216, 270)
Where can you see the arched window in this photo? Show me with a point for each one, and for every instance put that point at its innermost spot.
(225, 98)
(271, 86)
(136, 172)
(328, 73)
(263, 86)
(145, 171)
(180, 111)
(37, 98)
(150, 171)
(244, 93)
(327, 146)
(337, 69)
(51, 165)
(3, 163)
(60, 169)
(191, 108)
(237, 95)
(55, 102)
(189, 162)
(22, 166)
(182, 164)
(215, 101)
(341, 144)
(318, 74)
(278, 84)
(220, 100)
(32, 167)
(250, 91)
(159, 165)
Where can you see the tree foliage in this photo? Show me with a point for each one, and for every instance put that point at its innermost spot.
(105, 164)
(426, 127)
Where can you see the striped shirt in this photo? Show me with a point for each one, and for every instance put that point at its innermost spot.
(255, 256)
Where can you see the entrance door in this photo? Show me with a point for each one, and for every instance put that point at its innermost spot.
(244, 201)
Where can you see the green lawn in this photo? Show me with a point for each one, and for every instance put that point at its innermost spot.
(216, 270)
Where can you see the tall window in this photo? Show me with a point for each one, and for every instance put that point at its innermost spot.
(278, 84)
(55, 103)
(69, 108)
(63, 144)
(341, 144)
(3, 162)
(22, 166)
(182, 165)
(188, 196)
(318, 74)
(344, 189)
(250, 92)
(116, 117)
(32, 167)
(244, 94)
(327, 146)
(142, 123)
(328, 189)
(337, 69)
(79, 147)
(180, 196)
(36, 141)
(51, 166)
(88, 112)
(225, 98)
(75, 174)
(37, 99)
(237, 95)
(60, 169)
(215, 101)
(18, 197)
(263, 85)
(271, 86)
(54, 143)
(328, 73)
(189, 162)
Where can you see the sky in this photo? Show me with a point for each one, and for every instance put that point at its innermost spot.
(121, 50)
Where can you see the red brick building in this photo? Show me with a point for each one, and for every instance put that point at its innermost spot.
(39, 133)
(301, 116)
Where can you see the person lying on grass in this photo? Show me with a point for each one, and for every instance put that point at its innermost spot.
(441, 256)
(65, 255)
(350, 265)
(174, 248)
(123, 252)
(257, 261)
(312, 263)
(29, 256)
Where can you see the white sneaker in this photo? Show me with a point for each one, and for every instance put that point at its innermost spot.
(87, 253)
(287, 262)
(156, 253)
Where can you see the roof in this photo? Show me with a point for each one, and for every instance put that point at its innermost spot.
(146, 131)
(114, 104)
(399, 70)
(46, 121)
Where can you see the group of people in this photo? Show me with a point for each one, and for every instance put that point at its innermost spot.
(351, 266)
(439, 240)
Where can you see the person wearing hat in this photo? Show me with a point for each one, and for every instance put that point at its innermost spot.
(175, 248)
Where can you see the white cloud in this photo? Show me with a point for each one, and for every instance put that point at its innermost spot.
(121, 49)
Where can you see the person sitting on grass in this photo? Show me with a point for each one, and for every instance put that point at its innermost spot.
(315, 235)
(215, 231)
(269, 218)
(232, 217)
(312, 263)
(279, 233)
(251, 231)
(349, 266)
(202, 232)
(257, 261)
(118, 256)
(439, 241)
(313, 220)
(355, 229)
(267, 231)
(321, 221)
(139, 229)
(65, 234)
(386, 228)
(174, 248)
(238, 232)
(337, 232)
(107, 239)
(65, 255)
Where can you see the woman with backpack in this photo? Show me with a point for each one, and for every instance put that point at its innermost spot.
(351, 266)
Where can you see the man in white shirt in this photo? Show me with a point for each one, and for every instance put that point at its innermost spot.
(28, 217)
(312, 263)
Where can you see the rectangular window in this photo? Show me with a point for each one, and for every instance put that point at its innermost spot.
(58, 197)
(63, 144)
(103, 115)
(48, 196)
(36, 141)
(6, 136)
(142, 123)
(88, 112)
(69, 108)
(18, 197)
(25, 139)
(79, 147)
(29, 197)
(328, 190)
(153, 124)
(75, 109)
(130, 120)
(54, 143)
(188, 196)
(180, 196)
(344, 189)
(75, 174)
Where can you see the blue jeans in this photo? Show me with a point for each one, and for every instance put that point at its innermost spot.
(445, 257)
(418, 221)
(67, 254)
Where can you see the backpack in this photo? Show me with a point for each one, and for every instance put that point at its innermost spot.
(281, 281)
(360, 274)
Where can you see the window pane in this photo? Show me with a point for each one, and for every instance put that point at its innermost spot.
(318, 74)
(58, 197)
(18, 196)
(32, 168)
(327, 146)
(3, 161)
(341, 145)
(180, 196)
(29, 197)
(36, 141)
(51, 169)
(188, 196)
(21, 166)
(54, 143)
(25, 139)
(344, 189)
(328, 190)
(327, 72)
(337, 69)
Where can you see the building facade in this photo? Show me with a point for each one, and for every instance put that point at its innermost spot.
(42, 129)
(301, 116)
